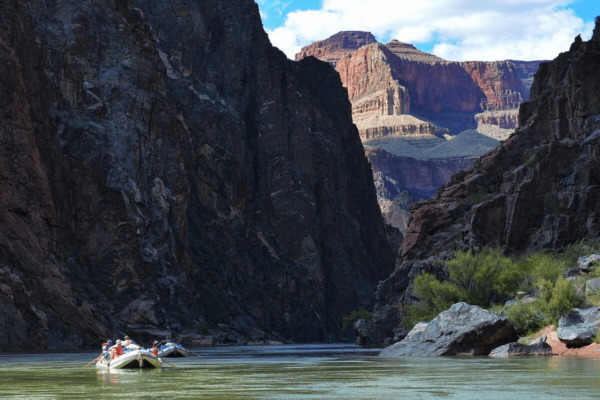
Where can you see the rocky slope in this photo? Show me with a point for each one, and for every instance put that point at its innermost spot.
(539, 190)
(163, 167)
(418, 167)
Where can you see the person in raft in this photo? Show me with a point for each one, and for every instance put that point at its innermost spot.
(130, 344)
(154, 349)
(107, 345)
(116, 350)
(105, 348)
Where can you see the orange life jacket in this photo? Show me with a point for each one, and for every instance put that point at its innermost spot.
(154, 351)
(115, 352)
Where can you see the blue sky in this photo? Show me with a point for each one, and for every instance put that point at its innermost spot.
(452, 29)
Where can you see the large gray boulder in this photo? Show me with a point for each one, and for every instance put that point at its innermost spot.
(588, 261)
(538, 348)
(577, 327)
(463, 329)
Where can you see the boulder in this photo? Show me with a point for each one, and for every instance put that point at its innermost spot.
(519, 350)
(592, 287)
(577, 327)
(587, 261)
(463, 329)
(542, 339)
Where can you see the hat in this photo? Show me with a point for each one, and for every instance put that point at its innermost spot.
(127, 337)
(109, 341)
(155, 342)
(119, 342)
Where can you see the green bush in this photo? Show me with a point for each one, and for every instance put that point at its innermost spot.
(544, 266)
(562, 300)
(348, 322)
(476, 277)
(529, 162)
(526, 317)
(472, 277)
(554, 300)
(572, 252)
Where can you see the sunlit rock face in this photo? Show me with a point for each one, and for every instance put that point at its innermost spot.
(164, 167)
(405, 101)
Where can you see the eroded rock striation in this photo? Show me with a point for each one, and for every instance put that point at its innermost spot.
(162, 166)
(537, 191)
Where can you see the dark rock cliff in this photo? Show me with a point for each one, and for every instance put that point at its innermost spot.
(163, 166)
(539, 190)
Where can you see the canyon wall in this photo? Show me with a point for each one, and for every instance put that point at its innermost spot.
(537, 191)
(163, 167)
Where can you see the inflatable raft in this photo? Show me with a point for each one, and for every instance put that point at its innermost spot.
(141, 359)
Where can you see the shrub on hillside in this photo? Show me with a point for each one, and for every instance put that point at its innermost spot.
(476, 278)
(572, 252)
(554, 300)
(472, 277)
(348, 322)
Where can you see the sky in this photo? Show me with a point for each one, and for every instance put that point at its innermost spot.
(456, 30)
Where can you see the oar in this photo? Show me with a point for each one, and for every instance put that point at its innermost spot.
(95, 359)
(196, 354)
(163, 360)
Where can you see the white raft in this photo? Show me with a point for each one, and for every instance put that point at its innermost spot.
(173, 350)
(132, 359)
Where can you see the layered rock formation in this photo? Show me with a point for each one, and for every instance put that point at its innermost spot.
(163, 166)
(539, 190)
(417, 168)
(399, 92)
(388, 81)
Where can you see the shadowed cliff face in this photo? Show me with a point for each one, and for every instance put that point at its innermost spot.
(539, 190)
(162, 165)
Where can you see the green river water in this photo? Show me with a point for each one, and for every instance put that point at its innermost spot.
(301, 372)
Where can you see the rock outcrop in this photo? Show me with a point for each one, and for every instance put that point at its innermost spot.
(461, 330)
(515, 349)
(579, 326)
(536, 191)
(162, 166)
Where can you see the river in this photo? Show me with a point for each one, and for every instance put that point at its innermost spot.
(301, 372)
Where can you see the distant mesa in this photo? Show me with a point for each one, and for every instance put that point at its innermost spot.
(337, 46)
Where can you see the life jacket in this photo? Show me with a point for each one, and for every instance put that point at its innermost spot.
(154, 351)
(115, 352)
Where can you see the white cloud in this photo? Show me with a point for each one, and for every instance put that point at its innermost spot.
(461, 29)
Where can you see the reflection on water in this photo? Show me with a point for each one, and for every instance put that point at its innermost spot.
(301, 372)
